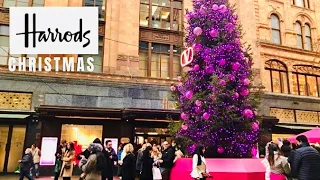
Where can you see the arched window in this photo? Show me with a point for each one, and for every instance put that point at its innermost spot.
(307, 33)
(299, 35)
(278, 75)
(306, 80)
(275, 27)
(299, 3)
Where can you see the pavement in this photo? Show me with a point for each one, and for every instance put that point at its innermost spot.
(16, 177)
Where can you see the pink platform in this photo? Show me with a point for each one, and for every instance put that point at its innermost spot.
(222, 169)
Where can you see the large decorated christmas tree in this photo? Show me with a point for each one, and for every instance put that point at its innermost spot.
(217, 109)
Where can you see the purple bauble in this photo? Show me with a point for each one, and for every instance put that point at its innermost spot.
(198, 103)
(172, 88)
(235, 95)
(207, 51)
(255, 126)
(229, 27)
(222, 82)
(198, 110)
(235, 66)
(244, 92)
(197, 47)
(248, 113)
(197, 31)
(232, 78)
(222, 62)
(209, 70)
(196, 67)
(223, 8)
(215, 7)
(184, 127)
(207, 58)
(188, 17)
(206, 116)
(214, 33)
(246, 81)
(184, 116)
(202, 10)
(220, 150)
(189, 95)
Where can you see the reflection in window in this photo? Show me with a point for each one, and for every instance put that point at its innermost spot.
(299, 35)
(161, 18)
(275, 28)
(97, 3)
(299, 3)
(307, 78)
(144, 13)
(307, 32)
(160, 60)
(4, 44)
(143, 59)
(278, 75)
(177, 16)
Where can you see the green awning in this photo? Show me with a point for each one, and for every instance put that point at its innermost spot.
(14, 116)
(296, 127)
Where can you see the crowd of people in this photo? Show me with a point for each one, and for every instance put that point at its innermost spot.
(291, 161)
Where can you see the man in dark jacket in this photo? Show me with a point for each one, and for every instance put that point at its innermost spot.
(166, 161)
(111, 157)
(25, 165)
(62, 148)
(305, 164)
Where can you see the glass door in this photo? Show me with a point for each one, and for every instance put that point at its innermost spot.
(4, 132)
(16, 147)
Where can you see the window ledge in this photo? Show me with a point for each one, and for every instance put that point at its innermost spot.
(287, 48)
(161, 30)
(291, 97)
(303, 8)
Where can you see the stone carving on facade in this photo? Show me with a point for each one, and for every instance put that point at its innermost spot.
(162, 37)
(126, 58)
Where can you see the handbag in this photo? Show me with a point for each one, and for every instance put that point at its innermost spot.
(156, 173)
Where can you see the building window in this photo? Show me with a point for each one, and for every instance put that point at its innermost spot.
(4, 44)
(275, 27)
(22, 3)
(279, 76)
(306, 79)
(299, 3)
(97, 3)
(307, 33)
(158, 61)
(98, 58)
(299, 35)
(161, 14)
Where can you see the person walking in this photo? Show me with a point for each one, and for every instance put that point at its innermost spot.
(147, 164)
(68, 159)
(36, 154)
(59, 154)
(128, 165)
(25, 165)
(199, 169)
(111, 158)
(95, 164)
(166, 161)
(305, 163)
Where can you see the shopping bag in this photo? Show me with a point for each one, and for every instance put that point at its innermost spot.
(156, 173)
(17, 171)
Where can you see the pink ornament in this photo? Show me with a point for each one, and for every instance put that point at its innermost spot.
(202, 10)
(248, 113)
(214, 33)
(237, 40)
(184, 116)
(223, 8)
(235, 66)
(254, 152)
(197, 31)
(246, 81)
(188, 17)
(235, 95)
(189, 95)
(196, 67)
(209, 70)
(197, 47)
(244, 92)
(255, 126)
(172, 88)
(206, 116)
(184, 127)
(220, 150)
(179, 78)
(222, 62)
(198, 103)
(215, 7)
(222, 82)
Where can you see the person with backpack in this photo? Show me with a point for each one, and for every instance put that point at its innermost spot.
(25, 165)
(95, 164)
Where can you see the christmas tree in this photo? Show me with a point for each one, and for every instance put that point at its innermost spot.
(213, 96)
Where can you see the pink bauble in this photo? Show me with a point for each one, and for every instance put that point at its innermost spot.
(214, 33)
(198, 103)
(246, 81)
(188, 17)
(209, 69)
(248, 113)
(202, 10)
(220, 150)
(244, 92)
(237, 41)
(206, 116)
(189, 95)
(255, 126)
(222, 82)
(215, 7)
(223, 8)
(196, 67)
(235, 66)
(222, 62)
(235, 95)
(172, 88)
(184, 116)
(184, 127)
(197, 31)
(254, 152)
(179, 78)
(197, 47)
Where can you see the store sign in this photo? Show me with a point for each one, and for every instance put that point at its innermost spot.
(48, 151)
(166, 104)
(187, 57)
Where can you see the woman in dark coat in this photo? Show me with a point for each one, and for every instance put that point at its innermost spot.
(147, 164)
(128, 171)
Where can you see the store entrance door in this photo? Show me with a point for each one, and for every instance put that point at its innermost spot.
(12, 138)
